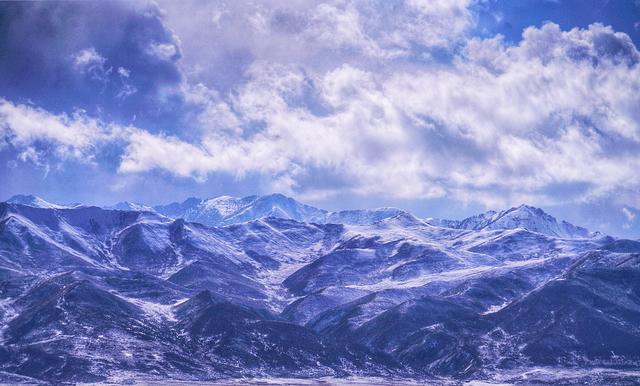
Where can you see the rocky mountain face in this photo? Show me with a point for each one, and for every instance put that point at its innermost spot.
(90, 294)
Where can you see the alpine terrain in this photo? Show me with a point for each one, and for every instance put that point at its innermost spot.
(264, 286)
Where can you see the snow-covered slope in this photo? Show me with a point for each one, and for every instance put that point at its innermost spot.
(362, 216)
(132, 206)
(523, 216)
(90, 294)
(36, 202)
(225, 210)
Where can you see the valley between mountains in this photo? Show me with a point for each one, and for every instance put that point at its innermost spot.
(264, 286)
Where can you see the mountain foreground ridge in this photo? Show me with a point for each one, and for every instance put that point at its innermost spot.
(281, 289)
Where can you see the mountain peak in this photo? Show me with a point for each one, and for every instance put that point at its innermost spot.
(535, 220)
(127, 205)
(523, 216)
(530, 209)
(276, 196)
(31, 200)
(226, 210)
(403, 219)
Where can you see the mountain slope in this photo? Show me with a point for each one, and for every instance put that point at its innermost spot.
(101, 295)
(126, 205)
(524, 216)
(226, 210)
(33, 201)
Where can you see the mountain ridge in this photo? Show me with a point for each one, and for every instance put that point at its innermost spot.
(227, 210)
(524, 216)
(90, 294)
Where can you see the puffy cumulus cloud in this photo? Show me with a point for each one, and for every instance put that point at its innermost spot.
(380, 28)
(67, 55)
(503, 124)
(209, 111)
(596, 44)
(74, 135)
(549, 120)
(146, 151)
(426, 23)
(361, 146)
(497, 89)
(336, 26)
(536, 116)
(44, 138)
(279, 136)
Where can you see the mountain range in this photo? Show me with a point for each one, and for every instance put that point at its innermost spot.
(227, 210)
(264, 286)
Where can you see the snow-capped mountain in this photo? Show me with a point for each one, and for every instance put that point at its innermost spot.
(90, 294)
(361, 216)
(126, 205)
(36, 202)
(523, 216)
(225, 210)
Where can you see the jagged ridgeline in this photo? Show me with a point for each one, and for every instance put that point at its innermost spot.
(264, 286)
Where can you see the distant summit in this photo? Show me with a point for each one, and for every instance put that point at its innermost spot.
(225, 210)
(35, 201)
(126, 205)
(228, 210)
(524, 216)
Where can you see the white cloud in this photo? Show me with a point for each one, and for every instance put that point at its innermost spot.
(228, 35)
(339, 26)
(72, 135)
(513, 120)
(500, 125)
(383, 29)
(213, 114)
(535, 114)
(146, 151)
(431, 23)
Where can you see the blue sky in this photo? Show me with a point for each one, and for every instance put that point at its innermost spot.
(444, 108)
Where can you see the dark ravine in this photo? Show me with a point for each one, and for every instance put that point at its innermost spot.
(89, 294)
